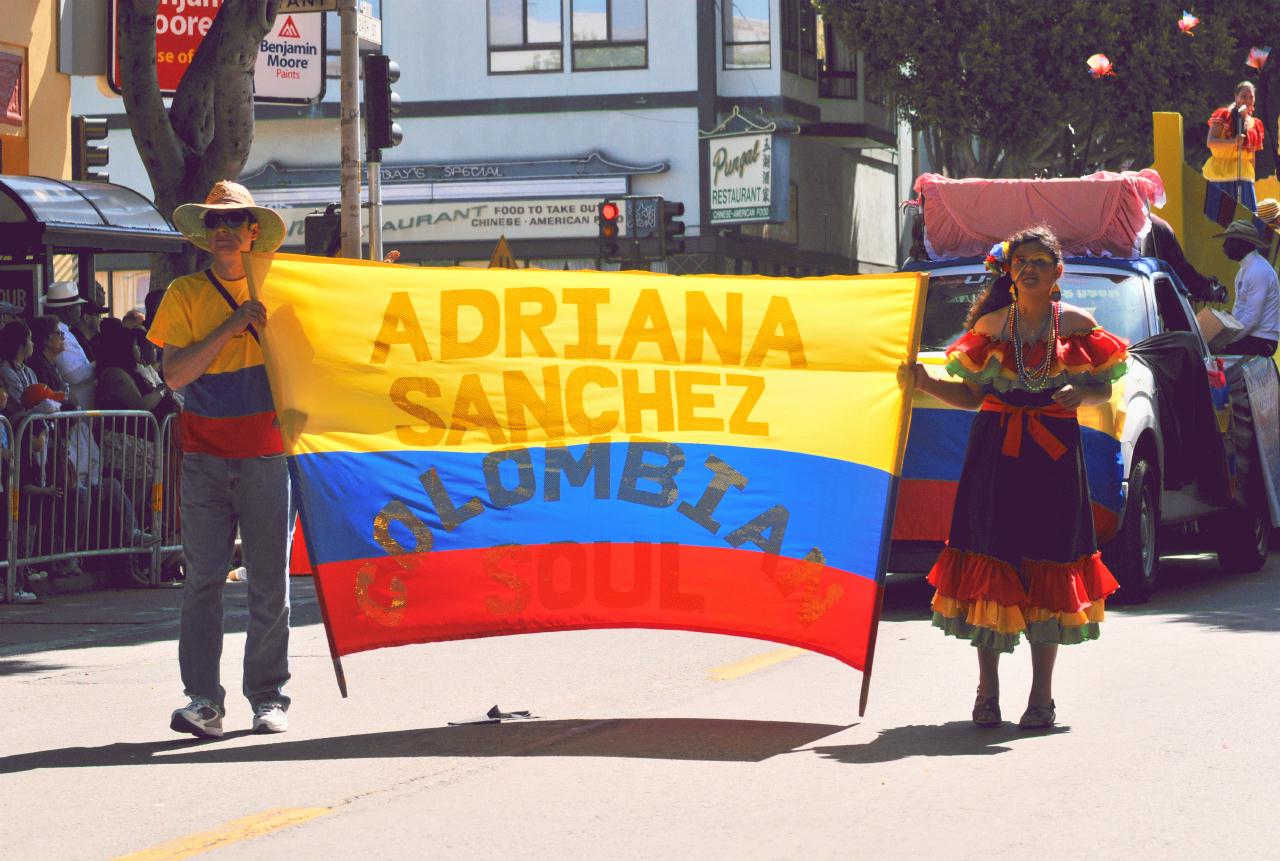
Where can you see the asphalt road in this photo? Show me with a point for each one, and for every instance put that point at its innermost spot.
(651, 743)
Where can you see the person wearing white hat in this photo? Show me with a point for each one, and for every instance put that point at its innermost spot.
(1257, 304)
(63, 300)
(234, 474)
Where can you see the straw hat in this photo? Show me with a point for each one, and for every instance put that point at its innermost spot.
(1268, 210)
(1242, 230)
(189, 218)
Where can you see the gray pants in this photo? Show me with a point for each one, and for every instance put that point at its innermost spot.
(219, 494)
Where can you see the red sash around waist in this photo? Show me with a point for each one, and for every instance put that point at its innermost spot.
(1012, 419)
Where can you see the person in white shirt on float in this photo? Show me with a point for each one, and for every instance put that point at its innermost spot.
(1257, 304)
(64, 301)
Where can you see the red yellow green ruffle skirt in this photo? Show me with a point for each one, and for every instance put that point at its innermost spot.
(986, 601)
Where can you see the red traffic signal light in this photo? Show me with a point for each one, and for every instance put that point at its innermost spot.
(607, 214)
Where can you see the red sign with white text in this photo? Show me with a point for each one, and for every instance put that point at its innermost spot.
(181, 26)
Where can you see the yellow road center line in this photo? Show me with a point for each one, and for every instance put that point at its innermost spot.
(759, 662)
(235, 831)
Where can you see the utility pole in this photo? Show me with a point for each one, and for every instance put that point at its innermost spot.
(351, 239)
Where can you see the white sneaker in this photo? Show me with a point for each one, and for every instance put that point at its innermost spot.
(198, 717)
(270, 717)
(22, 596)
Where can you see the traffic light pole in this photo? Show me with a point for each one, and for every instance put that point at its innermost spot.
(375, 204)
(350, 127)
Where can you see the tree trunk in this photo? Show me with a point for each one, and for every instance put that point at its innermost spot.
(207, 132)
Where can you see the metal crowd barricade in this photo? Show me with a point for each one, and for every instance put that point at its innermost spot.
(11, 502)
(85, 484)
(170, 520)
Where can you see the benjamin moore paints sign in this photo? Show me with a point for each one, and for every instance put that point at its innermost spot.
(742, 178)
(290, 66)
(462, 221)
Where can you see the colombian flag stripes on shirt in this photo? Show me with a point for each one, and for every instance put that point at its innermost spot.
(486, 452)
(227, 412)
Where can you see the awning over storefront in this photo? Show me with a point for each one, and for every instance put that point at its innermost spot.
(79, 217)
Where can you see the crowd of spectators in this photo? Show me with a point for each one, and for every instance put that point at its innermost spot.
(84, 482)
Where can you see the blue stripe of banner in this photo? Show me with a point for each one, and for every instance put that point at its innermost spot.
(245, 392)
(833, 505)
(936, 447)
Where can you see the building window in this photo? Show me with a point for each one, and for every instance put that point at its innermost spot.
(12, 102)
(808, 27)
(610, 34)
(799, 38)
(790, 26)
(525, 36)
(837, 66)
(746, 34)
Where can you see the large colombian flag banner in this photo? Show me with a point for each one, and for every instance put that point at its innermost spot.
(488, 452)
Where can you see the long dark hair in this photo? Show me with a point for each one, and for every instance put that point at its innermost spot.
(998, 293)
(13, 337)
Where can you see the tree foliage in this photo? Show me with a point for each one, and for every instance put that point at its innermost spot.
(207, 131)
(992, 85)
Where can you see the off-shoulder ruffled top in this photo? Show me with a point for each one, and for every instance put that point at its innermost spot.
(1092, 356)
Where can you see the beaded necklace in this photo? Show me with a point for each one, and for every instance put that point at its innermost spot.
(1035, 379)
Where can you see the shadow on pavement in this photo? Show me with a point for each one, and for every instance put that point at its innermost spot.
(126, 617)
(641, 738)
(958, 738)
(19, 667)
(1196, 591)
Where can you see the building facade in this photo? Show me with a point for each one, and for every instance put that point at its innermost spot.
(35, 93)
(520, 116)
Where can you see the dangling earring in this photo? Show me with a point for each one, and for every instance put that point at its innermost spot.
(1055, 292)
(1013, 291)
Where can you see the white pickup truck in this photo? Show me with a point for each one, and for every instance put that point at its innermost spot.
(1185, 456)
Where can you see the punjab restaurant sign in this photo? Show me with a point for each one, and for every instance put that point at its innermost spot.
(749, 166)
(741, 178)
(464, 221)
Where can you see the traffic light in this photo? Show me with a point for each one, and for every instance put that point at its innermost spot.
(672, 231)
(607, 214)
(381, 105)
(85, 154)
(322, 232)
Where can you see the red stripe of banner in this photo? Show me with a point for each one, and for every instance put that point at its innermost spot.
(450, 595)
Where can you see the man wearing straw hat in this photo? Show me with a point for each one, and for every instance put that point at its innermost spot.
(1257, 305)
(233, 468)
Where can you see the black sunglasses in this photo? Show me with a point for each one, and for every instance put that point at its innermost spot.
(233, 218)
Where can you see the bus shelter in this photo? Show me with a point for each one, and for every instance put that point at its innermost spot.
(45, 222)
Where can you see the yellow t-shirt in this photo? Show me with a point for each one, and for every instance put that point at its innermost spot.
(228, 410)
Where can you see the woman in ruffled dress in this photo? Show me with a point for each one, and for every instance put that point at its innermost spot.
(1022, 556)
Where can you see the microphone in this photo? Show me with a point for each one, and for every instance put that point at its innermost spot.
(1238, 114)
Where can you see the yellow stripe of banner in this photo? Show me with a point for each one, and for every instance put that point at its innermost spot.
(477, 360)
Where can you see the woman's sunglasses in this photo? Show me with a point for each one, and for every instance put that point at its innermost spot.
(232, 218)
